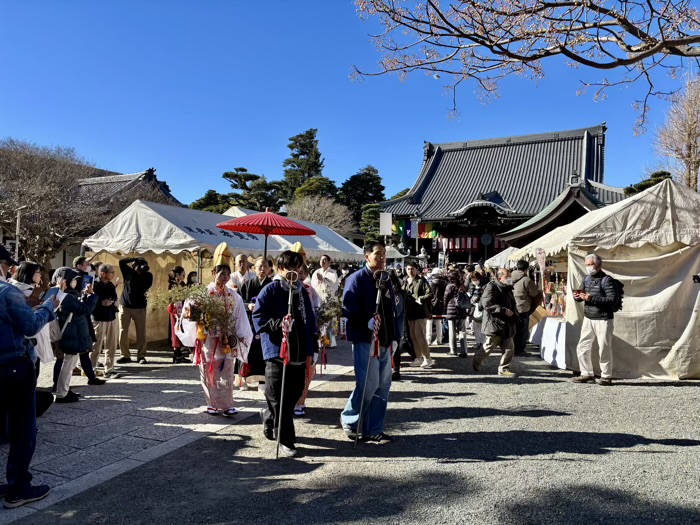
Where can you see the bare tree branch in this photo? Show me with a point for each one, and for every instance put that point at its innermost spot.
(325, 211)
(487, 40)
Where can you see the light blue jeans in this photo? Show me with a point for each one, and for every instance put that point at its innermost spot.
(376, 395)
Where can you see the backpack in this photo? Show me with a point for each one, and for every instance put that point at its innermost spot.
(619, 292)
(462, 301)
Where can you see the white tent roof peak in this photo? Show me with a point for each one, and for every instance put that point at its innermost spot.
(149, 227)
(664, 215)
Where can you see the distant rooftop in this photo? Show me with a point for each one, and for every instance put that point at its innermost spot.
(517, 176)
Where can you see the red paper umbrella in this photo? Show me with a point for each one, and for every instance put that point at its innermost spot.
(266, 223)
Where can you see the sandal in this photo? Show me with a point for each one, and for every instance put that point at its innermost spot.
(230, 412)
(213, 411)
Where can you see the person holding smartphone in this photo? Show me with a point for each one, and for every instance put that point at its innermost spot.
(18, 322)
(104, 320)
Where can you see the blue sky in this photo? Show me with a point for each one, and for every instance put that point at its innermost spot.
(198, 88)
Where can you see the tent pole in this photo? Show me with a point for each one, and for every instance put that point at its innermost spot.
(265, 251)
(199, 266)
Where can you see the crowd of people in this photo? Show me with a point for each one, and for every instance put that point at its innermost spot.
(270, 331)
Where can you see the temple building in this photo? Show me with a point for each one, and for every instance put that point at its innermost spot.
(472, 199)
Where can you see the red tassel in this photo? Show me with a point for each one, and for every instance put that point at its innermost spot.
(198, 352)
(377, 324)
(284, 348)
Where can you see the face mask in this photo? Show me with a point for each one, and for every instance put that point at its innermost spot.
(476, 284)
(74, 283)
(590, 269)
(509, 282)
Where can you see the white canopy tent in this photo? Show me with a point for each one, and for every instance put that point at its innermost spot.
(501, 260)
(651, 243)
(326, 241)
(168, 236)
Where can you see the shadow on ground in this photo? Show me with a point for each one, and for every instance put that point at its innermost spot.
(584, 504)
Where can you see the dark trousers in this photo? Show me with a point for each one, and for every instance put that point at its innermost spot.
(522, 332)
(293, 388)
(17, 400)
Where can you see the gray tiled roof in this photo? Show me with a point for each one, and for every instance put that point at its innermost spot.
(104, 187)
(515, 175)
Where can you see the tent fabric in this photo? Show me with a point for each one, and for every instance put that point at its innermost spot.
(146, 226)
(663, 215)
(651, 243)
(159, 228)
(326, 241)
(501, 260)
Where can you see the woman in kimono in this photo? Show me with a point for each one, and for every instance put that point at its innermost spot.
(217, 353)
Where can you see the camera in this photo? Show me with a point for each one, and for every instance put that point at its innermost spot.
(696, 279)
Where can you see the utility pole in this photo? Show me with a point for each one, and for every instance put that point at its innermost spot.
(18, 210)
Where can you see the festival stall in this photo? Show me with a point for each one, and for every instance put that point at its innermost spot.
(501, 260)
(168, 236)
(651, 243)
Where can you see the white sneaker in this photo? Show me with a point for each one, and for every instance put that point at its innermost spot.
(290, 452)
(427, 363)
(416, 362)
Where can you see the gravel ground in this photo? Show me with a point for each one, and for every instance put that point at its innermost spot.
(470, 448)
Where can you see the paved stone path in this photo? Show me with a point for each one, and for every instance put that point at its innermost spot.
(150, 411)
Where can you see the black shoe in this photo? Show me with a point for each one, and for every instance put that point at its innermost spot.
(181, 360)
(396, 375)
(69, 398)
(96, 381)
(143, 361)
(268, 431)
(123, 360)
(4, 487)
(379, 439)
(28, 496)
(73, 393)
(462, 354)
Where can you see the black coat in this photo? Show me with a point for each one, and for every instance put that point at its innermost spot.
(600, 305)
(76, 337)
(452, 311)
(438, 284)
(496, 299)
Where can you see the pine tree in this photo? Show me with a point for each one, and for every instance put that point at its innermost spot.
(652, 180)
(317, 186)
(369, 222)
(365, 187)
(303, 163)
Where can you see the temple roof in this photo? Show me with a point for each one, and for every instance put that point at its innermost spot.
(516, 176)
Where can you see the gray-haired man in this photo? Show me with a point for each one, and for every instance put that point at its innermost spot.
(599, 296)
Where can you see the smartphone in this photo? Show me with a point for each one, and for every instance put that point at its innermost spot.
(87, 280)
(51, 293)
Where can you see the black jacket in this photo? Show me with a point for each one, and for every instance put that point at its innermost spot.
(495, 299)
(437, 287)
(105, 291)
(600, 305)
(76, 337)
(452, 310)
(135, 285)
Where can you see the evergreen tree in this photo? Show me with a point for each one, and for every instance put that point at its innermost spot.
(317, 186)
(365, 187)
(303, 163)
(400, 194)
(262, 194)
(213, 202)
(369, 222)
(652, 180)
